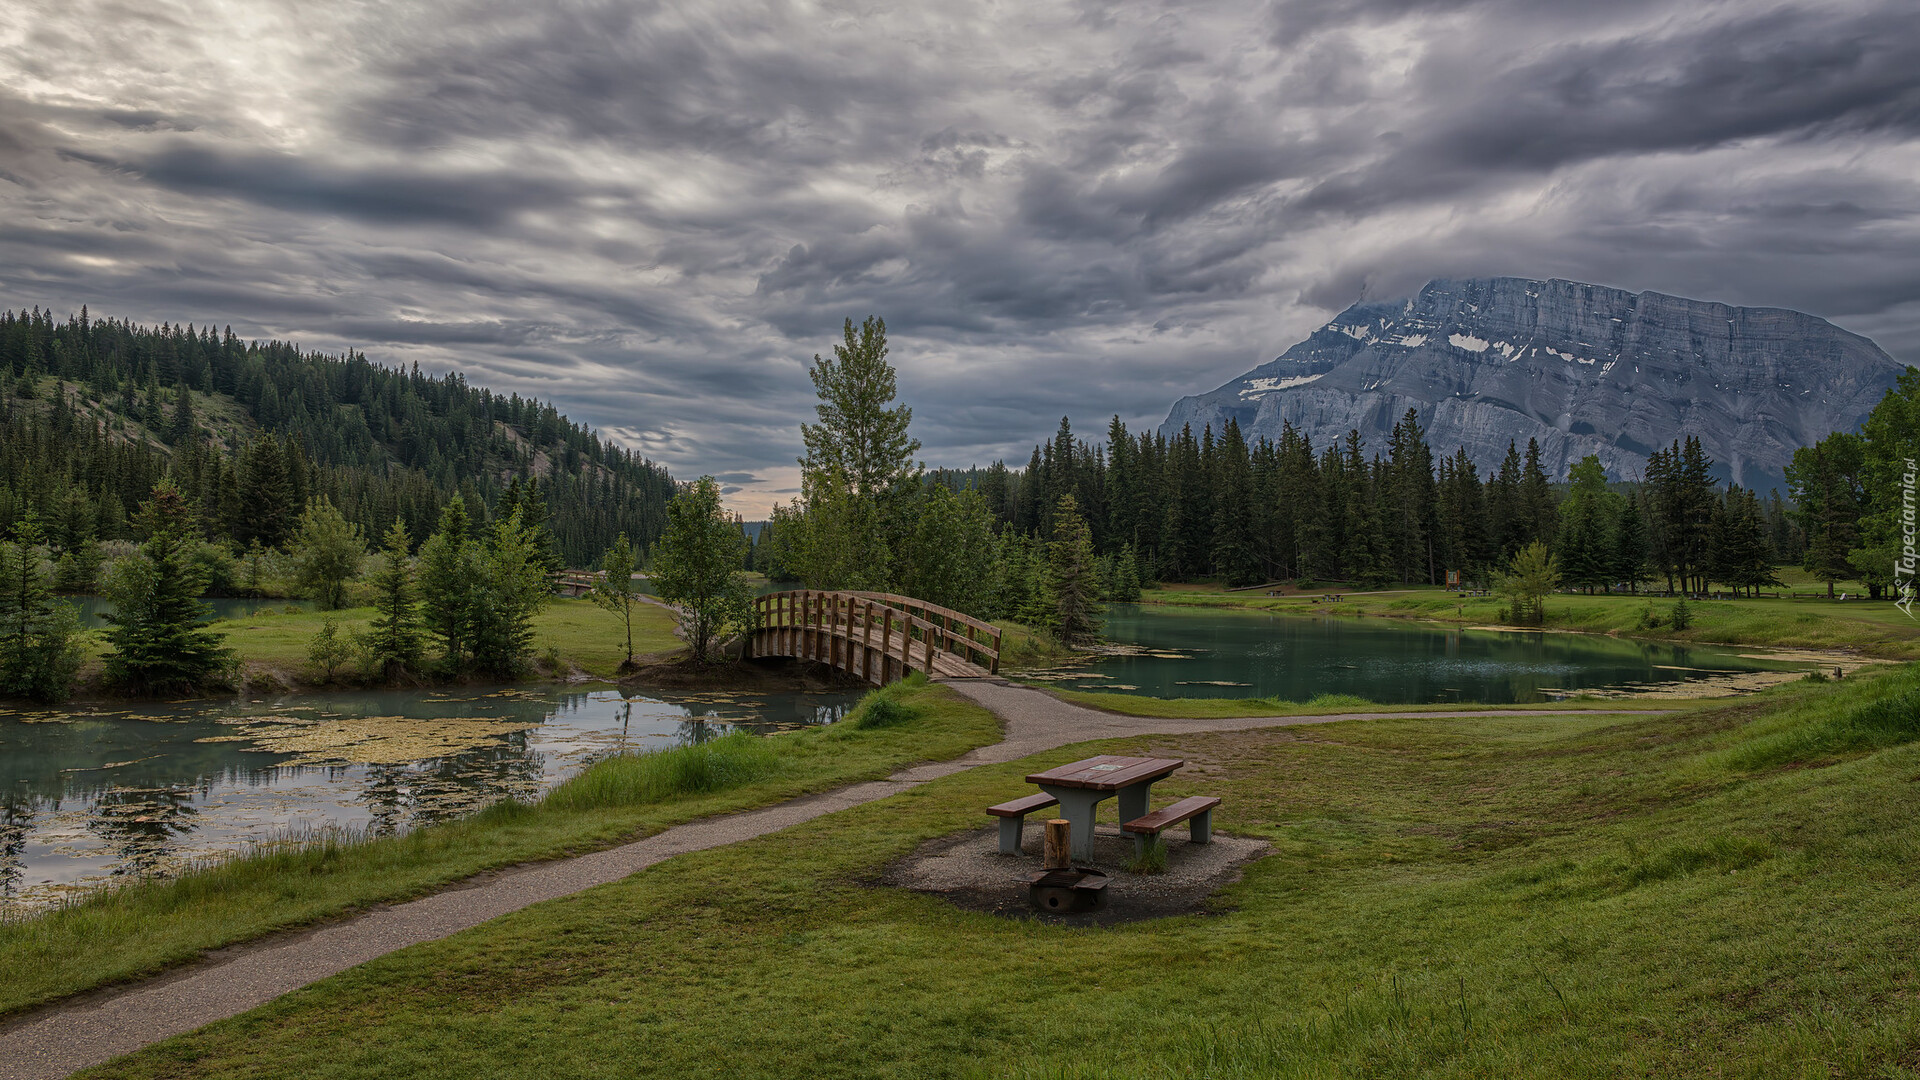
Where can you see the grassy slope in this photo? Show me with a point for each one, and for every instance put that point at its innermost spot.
(142, 928)
(1566, 897)
(1873, 629)
(586, 637)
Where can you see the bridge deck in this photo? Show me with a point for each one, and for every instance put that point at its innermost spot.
(878, 636)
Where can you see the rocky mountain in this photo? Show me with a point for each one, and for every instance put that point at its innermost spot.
(1582, 368)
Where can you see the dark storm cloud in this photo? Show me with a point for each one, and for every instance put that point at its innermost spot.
(655, 215)
(380, 195)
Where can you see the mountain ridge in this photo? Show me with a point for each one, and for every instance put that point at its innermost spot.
(1585, 369)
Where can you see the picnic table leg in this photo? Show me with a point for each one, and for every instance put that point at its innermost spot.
(1077, 806)
(1135, 801)
(1010, 834)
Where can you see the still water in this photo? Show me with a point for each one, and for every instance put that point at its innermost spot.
(1173, 652)
(89, 795)
(95, 794)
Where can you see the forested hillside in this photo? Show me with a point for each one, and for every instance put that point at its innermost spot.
(94, 412)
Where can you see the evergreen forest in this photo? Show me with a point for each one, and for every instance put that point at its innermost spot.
(94, 413)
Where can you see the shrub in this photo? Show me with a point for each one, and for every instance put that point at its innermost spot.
(883, 711)
(1151, 861)
(1682, 614)
(636, 779)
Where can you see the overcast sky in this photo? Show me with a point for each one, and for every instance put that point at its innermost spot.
(656, 214)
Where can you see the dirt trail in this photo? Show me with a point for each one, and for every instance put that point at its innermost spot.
(63, 1038)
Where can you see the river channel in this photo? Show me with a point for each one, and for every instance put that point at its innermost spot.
(96, 793)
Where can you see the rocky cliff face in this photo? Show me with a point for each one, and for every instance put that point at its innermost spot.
(1583, 369)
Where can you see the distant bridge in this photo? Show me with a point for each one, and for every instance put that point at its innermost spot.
(877, 636)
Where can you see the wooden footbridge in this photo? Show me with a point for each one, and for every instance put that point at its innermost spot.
(877, 636)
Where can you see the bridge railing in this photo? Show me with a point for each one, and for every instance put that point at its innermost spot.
(912, 632)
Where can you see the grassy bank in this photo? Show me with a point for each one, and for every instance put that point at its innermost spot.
(1323, 705)
(272, 643)
(1726, 892)
(145, 927)
(1871, 629)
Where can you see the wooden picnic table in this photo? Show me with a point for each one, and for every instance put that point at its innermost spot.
(1082, 786)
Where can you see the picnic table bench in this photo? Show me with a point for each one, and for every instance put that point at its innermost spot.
(1197, 810)
(1080, 787)
(1013, 817)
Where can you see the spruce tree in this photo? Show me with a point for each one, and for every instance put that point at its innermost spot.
(1630, 545)
(511, 588)
(39, 635)
(181, 426)
(448, 573)
(1072, 582)
(158, 640)
(393, 640)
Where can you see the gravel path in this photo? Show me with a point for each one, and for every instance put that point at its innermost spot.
(63, 1038)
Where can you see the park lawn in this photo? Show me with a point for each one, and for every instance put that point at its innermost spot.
(145, 927)
(585, 636)
(1323, 705)
(1872, 629)
(1580, 896)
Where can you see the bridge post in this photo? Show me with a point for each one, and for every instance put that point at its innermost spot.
(866, 641)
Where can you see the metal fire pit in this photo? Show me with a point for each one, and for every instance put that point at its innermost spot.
(1077, 888)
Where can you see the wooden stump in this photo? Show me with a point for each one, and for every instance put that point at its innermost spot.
(1059, 847)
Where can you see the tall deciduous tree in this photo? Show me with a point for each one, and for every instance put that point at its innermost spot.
(615, 590)
(1532, 576)
(327, 551)
(696, 567)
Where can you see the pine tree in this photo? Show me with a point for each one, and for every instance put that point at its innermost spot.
(158, 639)
(392, 643)
(181, 426)
(511, 588)
(265, 507)
(1824, 480)
(447, 574)
(1630, 545)
(1072, 582)
(39, 636)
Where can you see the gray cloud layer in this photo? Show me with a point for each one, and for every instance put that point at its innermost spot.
(656, 214)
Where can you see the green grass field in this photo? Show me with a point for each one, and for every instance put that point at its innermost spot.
(1872, 629)
(273, 644)
(1726, 892)
(145, 927)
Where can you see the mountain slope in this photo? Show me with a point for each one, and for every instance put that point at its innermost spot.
(90, 416)
(1582, 368)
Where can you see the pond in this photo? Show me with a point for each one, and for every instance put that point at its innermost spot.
(1185, 652)
(88, 795)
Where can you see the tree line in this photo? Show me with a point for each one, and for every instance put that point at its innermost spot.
(94, 412)
(1212, 505)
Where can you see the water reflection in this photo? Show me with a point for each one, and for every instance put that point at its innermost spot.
(1171, 652)
(94, 794)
